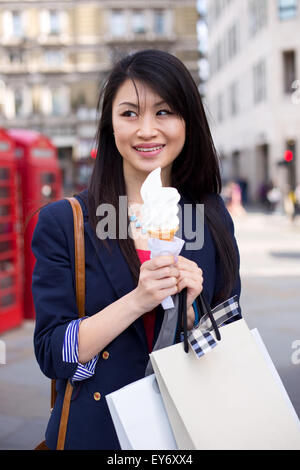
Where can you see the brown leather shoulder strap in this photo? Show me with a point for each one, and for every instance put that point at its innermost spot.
(79, 255)
(80, 300)
(64, 418)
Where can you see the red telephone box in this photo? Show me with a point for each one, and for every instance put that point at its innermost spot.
(11, 298)
(40, 180)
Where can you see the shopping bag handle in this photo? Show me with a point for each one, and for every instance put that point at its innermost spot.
(204, 308)
(183, 310)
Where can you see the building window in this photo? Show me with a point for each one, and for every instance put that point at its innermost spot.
(287, 9)
(233, 99)
(54, 22)
(259, 81)
(2, 97)
(218, 8)
(214, 9)
(54, 57)
(159, 22)
(138, 22)
(60, 101)
(18, 102)
(257, 15)
(236, 164)
(22, 102)
(203, 67)
(225, 49)
(220, 108)
(202, 33)
(232, 41)
(16, 57)
(56, 103)
(17, 24)
(289, 70)
(202, 7)
(117, 23)
(219, 56)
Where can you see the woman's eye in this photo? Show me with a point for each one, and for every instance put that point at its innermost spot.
(164, 112)
(129, 113)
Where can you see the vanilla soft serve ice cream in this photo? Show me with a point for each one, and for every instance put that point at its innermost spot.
(160, 218)
(160, 206)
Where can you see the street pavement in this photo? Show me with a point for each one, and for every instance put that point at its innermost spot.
(270, 271)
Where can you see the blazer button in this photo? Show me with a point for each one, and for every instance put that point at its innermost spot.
(97, 396)
(105, 354)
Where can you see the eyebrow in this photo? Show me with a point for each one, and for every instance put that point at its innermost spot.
(127, 103)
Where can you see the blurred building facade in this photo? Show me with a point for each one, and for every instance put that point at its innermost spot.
(253, 91)
(55, 55)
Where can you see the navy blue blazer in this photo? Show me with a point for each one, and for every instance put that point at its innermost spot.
(107, 279)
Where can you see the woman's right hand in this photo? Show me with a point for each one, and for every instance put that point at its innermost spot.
(157, 280)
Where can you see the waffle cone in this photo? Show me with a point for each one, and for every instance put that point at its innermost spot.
(166, 235)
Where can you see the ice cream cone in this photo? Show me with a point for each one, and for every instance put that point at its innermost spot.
(166, 235)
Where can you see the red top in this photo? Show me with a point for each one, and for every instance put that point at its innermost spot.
(149, 317)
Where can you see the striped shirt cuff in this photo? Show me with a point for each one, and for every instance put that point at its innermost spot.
(70, 353)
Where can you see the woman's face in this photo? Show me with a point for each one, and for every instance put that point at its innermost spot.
(149, 137)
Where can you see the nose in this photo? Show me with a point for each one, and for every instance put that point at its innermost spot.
(147, 127)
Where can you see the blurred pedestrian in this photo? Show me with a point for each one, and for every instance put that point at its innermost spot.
(297, 204)
(234, 200)
(274, 198)
(263, 189)
(290, 204)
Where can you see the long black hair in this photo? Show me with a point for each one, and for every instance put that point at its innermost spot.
(195, 172)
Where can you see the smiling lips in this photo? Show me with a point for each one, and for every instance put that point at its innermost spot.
(150, 149)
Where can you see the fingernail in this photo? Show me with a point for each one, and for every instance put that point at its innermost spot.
(175, 259)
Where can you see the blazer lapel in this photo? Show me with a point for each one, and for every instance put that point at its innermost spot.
(113, 263)
(118, 272)
(111, 258)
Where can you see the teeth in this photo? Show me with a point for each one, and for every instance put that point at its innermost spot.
(148, 149)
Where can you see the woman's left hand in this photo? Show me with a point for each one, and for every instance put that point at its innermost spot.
(191, 277)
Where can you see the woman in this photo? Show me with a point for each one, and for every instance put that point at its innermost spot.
(152, 116)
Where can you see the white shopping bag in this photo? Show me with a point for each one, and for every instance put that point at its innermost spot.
(140, 418)
(227, 399)
(274, 372)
